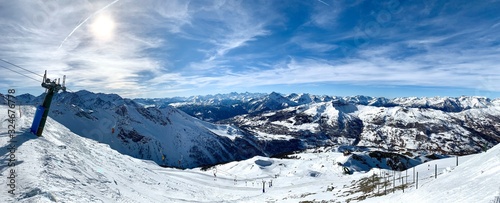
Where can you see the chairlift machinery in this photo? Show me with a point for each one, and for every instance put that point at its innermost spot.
(42, 111)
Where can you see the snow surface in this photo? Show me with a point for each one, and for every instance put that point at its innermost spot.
(475, 180)
(64, 167)
(267, 136)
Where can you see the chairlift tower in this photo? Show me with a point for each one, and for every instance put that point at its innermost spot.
(42, 111)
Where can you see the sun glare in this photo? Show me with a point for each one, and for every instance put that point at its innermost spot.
(103, 28)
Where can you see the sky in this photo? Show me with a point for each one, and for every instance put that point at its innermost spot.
(167, 48)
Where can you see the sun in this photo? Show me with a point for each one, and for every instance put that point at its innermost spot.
(103, 27)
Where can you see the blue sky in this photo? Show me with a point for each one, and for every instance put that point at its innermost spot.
(152, 48)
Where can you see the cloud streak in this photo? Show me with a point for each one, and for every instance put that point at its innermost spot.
(84, 21)
(89, 63)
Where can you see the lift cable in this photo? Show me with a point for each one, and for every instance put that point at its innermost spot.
(67, 89)
(21, 67)
(20, 73)
(25, 70)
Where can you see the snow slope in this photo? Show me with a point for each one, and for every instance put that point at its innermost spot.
(64, 167)
(475, 180)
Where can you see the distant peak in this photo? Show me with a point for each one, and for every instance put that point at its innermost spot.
(275, 95)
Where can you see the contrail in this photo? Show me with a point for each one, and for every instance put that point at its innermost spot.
(86, 19)
(324, 2)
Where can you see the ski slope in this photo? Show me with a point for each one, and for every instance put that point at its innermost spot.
(64, 167)
(477, 179)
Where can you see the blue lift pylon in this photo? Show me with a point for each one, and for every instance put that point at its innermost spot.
(42, 111)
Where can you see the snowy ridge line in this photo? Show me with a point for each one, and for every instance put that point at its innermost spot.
(445, 103)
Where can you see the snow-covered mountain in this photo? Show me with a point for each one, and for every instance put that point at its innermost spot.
(209, 107)
(166, 135)
(258, 124)
(397, 128)
(65, 167)
(460, 125)
(223, 106)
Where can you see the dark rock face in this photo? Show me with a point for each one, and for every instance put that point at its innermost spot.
(213, 113)
(275, 147)
(133, 136)
(154, 115)
(394, 161)
(83, 114)
(246, 148)
(364, 161)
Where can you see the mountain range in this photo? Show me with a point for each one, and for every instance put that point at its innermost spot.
(445, 125)
(205, 130)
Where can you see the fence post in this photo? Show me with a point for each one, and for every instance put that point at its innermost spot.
(403, 185)
(413, 174)
(400, 177)
(417, 181)
(457, 160)
(435, 171)
(374, 180)
(385, 184)
(393, 181)
(378, 185)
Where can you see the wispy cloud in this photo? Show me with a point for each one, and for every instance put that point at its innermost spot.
(230, 25)
(374, 71)
(39, 40)
(313, 43)
(173, 14)
(454, 57)
(173, 47)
